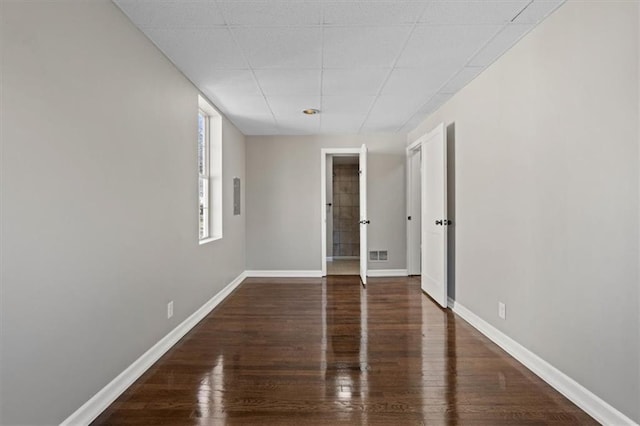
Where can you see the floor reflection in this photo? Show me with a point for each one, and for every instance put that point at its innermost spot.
(328, 351)
(345, 315)
(211, 392)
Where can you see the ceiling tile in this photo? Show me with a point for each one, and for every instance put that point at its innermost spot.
(386, 125)
(472, 12)
(292, 106)
(281, 47)
(272, 13)
(426, 81)
(361, 47)
(500, 44)
(198, 50)
(425, 110)
(276, 59)
(537, 11)
(433, 104)
(350, 105)
(240, 106)
(394, 110)
(432, 46)
(289, 82)
(227, 83)
(256, 124)
(341, 123)
(373, 13)
(298, 124)
(354, 81)
(461, 79)
(172, 14)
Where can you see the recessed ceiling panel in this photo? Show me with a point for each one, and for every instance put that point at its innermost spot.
(197, 50)
(500, 44)
(353, 81)
(373, 13)
(228, 82)
(256, 124)
(172, 14)
(299, 124)
(289, 82)
(293, 105)
(348, 105)
(472, 12)
(461, 79)
(271, 13)
(537, 11)
(341, 123)
(281, 47)
(430, 106)
(427, 81)
(240, 106)
(395, 109)
(369, 65)
(450, 45)
(363, 47)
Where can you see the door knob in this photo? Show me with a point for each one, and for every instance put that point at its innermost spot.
(365, 222)
(438, 222)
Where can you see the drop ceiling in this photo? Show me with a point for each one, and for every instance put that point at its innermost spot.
(369, 66)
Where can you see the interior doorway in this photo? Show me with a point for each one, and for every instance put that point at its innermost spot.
(343, 215)
(428, 154)
(344, 211)
(414, 209)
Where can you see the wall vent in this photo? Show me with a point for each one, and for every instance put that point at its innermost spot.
(378, 255)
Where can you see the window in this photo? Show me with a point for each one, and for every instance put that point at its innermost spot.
(209, 172)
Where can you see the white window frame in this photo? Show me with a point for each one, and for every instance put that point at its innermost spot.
(212, 173)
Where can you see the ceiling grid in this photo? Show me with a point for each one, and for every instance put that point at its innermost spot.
(369, 65)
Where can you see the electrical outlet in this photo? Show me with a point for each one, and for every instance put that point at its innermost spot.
(169, 309)
(502, 310)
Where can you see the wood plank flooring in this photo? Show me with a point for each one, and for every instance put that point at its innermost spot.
(328, 352)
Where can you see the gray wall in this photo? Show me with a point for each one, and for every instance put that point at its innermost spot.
(283, 199)
(546, 196)
(99, 204)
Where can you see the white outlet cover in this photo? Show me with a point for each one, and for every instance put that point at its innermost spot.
(170, 309)
(502, 310)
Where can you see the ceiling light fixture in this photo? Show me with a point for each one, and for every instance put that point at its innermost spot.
(311, 111)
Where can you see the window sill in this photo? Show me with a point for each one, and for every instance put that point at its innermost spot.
(208, 240)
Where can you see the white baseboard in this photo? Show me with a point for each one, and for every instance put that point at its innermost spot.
(101, 400)
(284, 274)
(387, 273)
(575, 392)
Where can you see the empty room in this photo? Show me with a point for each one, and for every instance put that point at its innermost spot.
(285, 212)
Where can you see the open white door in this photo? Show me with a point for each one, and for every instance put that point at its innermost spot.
(363, 214)
(434, 215)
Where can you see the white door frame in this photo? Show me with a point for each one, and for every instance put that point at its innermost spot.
(414, 146)
(410, 152)
(323, 197)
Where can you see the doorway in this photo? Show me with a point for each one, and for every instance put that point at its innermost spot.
(344, 211)
(428, 154)
(343, 215)
(414, 208)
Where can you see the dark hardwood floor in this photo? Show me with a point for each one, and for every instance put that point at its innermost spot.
(327, 351)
